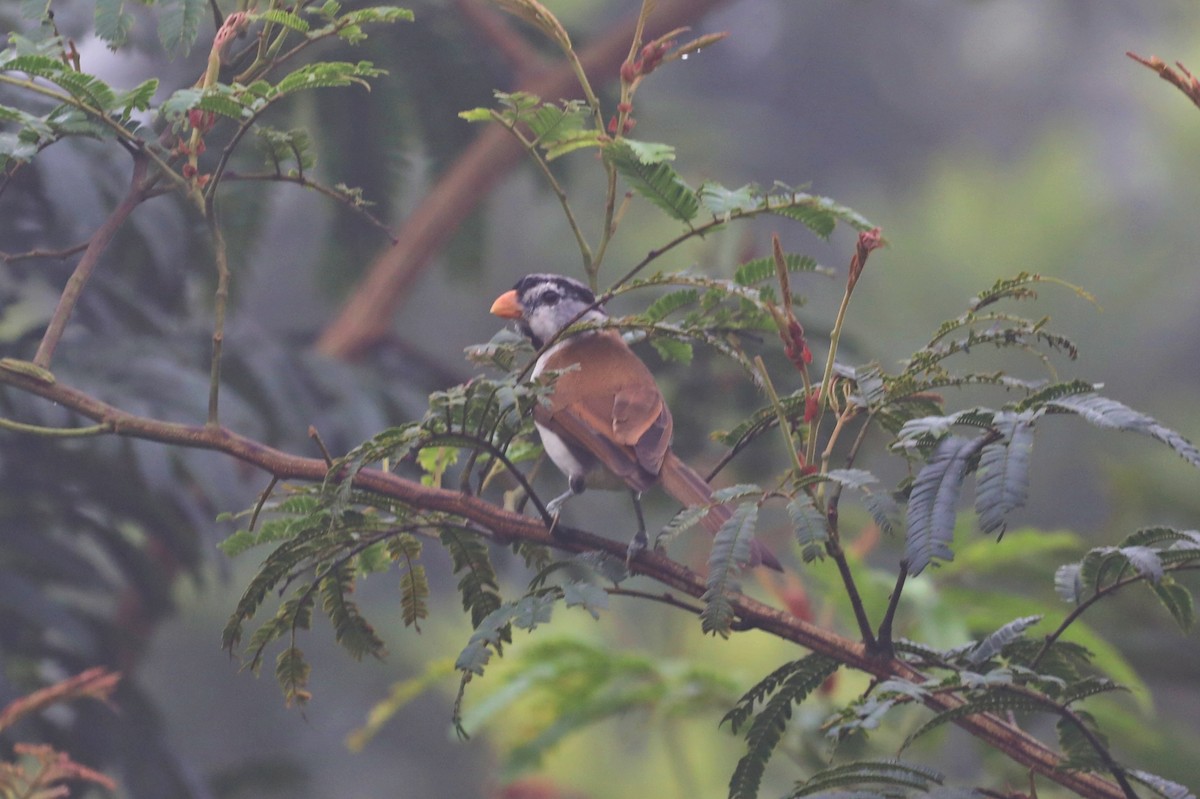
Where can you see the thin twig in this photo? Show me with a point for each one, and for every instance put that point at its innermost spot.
(96, 246)
(305, 182)
(14, 257)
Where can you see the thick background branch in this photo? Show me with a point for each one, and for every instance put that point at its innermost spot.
(366, 315)
(492, 521)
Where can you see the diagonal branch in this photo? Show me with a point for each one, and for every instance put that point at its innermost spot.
(96, 246)
(366, 315)
(497, 524)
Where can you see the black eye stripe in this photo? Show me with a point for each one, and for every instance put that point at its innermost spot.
(565, 287)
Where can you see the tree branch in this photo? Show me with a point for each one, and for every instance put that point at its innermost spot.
(96, 246)
(493, 522)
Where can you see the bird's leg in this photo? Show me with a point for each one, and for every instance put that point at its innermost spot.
(575, 485)
(639, 542)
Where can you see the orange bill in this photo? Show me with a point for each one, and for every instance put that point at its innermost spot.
(507, 305)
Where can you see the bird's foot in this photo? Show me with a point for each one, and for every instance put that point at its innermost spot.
(554, 510)
(637, 546)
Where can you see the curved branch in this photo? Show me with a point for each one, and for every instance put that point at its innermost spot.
(495, 523)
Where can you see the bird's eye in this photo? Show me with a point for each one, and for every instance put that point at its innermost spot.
(550, 298)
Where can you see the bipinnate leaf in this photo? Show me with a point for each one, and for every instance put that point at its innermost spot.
(178, 23)
(291, 671)
(722, 202)
(759, 270)
(990, 647)
(1002, 479)
(495, 629)
(350, 629)
(405, 549)
(888, 774)
(670, 302)
(740, 713)
(812, 530)
(285, 18)
(645, 166)
(1076, 747)
(588, 596)
(995, 701)
(932, 505)
(112, 21)
(477, 583)
(1067, 583)
(818, 214)
(767, 728)
(1178, 601)
(1109, 413)
(730, 552)
(1163, 787)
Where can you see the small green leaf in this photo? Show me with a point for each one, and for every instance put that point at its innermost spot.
(34, 10)
(1177, 599)
(591, 598)
(758, 270)
(722, 202)
(644, 166)
(649, 152)
(812, 529)
(179, 23)
(286, 19)
(292, 670)
(990, 647)
(730, 552)
(670, 349)
(932, 505)
(1002, 479)
(112, 22)
(238, 543)
(670, 302)
(476, 115)
(818, 214)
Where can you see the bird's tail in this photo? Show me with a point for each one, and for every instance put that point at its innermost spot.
(685, 485)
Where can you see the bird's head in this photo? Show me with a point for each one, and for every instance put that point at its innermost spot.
(543, 304)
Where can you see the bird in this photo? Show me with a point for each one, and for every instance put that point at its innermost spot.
(605, 416)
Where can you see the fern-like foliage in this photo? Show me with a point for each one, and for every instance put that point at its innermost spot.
(932, 504)
(1003, 474)
(812, 530)
(883, 778)
(647, 169)
(730, 552)
(778, 694)
(1109, 413)
(1147, 556)
(1163, 787)
(554, 128)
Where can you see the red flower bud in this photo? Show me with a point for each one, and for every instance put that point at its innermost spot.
(795, 345)
(625, 108)
(612, 126)
(811, 408)
(630, 71)
(868, 241)
(653, 53)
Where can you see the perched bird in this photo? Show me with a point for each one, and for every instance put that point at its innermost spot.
(605, 416)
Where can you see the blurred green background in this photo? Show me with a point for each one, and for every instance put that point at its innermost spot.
(985, 138)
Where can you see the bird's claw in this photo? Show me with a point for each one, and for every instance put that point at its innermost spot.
(637, 546)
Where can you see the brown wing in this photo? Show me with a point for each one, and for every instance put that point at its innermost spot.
(610, 406)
